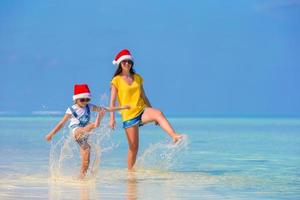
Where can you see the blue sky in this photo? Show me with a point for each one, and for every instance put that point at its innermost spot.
(198, 58)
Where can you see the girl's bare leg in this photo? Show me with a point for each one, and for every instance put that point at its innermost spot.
(85, 160)
(84, 152)
(132, 134)
(88, 128)
(155, 115)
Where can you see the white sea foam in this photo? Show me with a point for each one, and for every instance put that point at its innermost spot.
(47, 113)
(163, 155)
(65, 154)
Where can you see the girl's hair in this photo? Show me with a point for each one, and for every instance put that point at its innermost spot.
(119, 70)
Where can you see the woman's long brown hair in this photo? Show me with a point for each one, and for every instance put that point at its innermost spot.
(119, 70)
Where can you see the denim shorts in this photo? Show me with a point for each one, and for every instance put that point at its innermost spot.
(135, 121)
(82, 140)
(74, 127)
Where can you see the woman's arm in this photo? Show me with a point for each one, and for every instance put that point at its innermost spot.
(144, 96)
(112, 104)
(62, 122)
(117, 108)
(110, 109)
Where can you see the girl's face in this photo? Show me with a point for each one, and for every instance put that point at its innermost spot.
(126, 65)
(82, 102)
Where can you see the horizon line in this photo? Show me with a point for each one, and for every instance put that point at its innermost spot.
(56, 113)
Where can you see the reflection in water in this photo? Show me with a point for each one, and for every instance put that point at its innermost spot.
(87, 189)
(120, 184)
(83, 190)
(131, 193)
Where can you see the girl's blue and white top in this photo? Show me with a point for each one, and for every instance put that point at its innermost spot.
(80, 113)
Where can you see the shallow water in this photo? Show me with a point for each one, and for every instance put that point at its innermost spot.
(219, 159)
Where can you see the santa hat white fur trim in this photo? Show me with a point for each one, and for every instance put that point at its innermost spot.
(125, 57)
(82, 95)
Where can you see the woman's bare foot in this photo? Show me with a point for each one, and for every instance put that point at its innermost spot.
(81, 176)
(176, 138)
(131, 170)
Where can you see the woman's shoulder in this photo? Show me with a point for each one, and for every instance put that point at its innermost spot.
(138, 75)
(115, 79)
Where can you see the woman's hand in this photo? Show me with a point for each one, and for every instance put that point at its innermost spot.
(112, 123)
(102, 112)
(48, 137)
(127, 107)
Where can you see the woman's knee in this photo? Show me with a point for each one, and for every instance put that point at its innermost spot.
(133, 138)
(157, 112)
(134, 147)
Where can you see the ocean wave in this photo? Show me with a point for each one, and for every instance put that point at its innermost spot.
(54, 112)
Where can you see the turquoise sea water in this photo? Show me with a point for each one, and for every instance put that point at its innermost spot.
(218, 159)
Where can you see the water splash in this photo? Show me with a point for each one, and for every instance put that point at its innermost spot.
(65, 158)
(163, 155)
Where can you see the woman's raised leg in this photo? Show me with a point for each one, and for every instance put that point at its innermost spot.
(132, 134)
(155, 115)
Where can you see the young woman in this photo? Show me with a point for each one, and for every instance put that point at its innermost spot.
(127, 86)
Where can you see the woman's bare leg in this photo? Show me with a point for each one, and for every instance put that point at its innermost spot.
(132, 134)
(85, 160)
(155, 115)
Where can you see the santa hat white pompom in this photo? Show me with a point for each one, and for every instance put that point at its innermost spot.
(121, 56)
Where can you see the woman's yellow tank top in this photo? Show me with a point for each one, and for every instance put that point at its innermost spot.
(130, 95)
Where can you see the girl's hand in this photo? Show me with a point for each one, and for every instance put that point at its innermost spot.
(48, 137)
(112, 123)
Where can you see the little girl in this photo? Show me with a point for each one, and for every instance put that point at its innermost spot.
(79, 115)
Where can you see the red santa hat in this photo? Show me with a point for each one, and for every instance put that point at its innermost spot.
(122, 55)
(81, 91)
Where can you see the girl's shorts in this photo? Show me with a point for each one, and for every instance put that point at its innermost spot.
(135, 121)
(82, 140)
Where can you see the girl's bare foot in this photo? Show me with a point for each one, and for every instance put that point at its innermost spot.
(176, 138)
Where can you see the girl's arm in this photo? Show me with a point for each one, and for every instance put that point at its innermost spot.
(144, 96)
(62, 122)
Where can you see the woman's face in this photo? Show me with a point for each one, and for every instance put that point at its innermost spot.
(126, 65)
